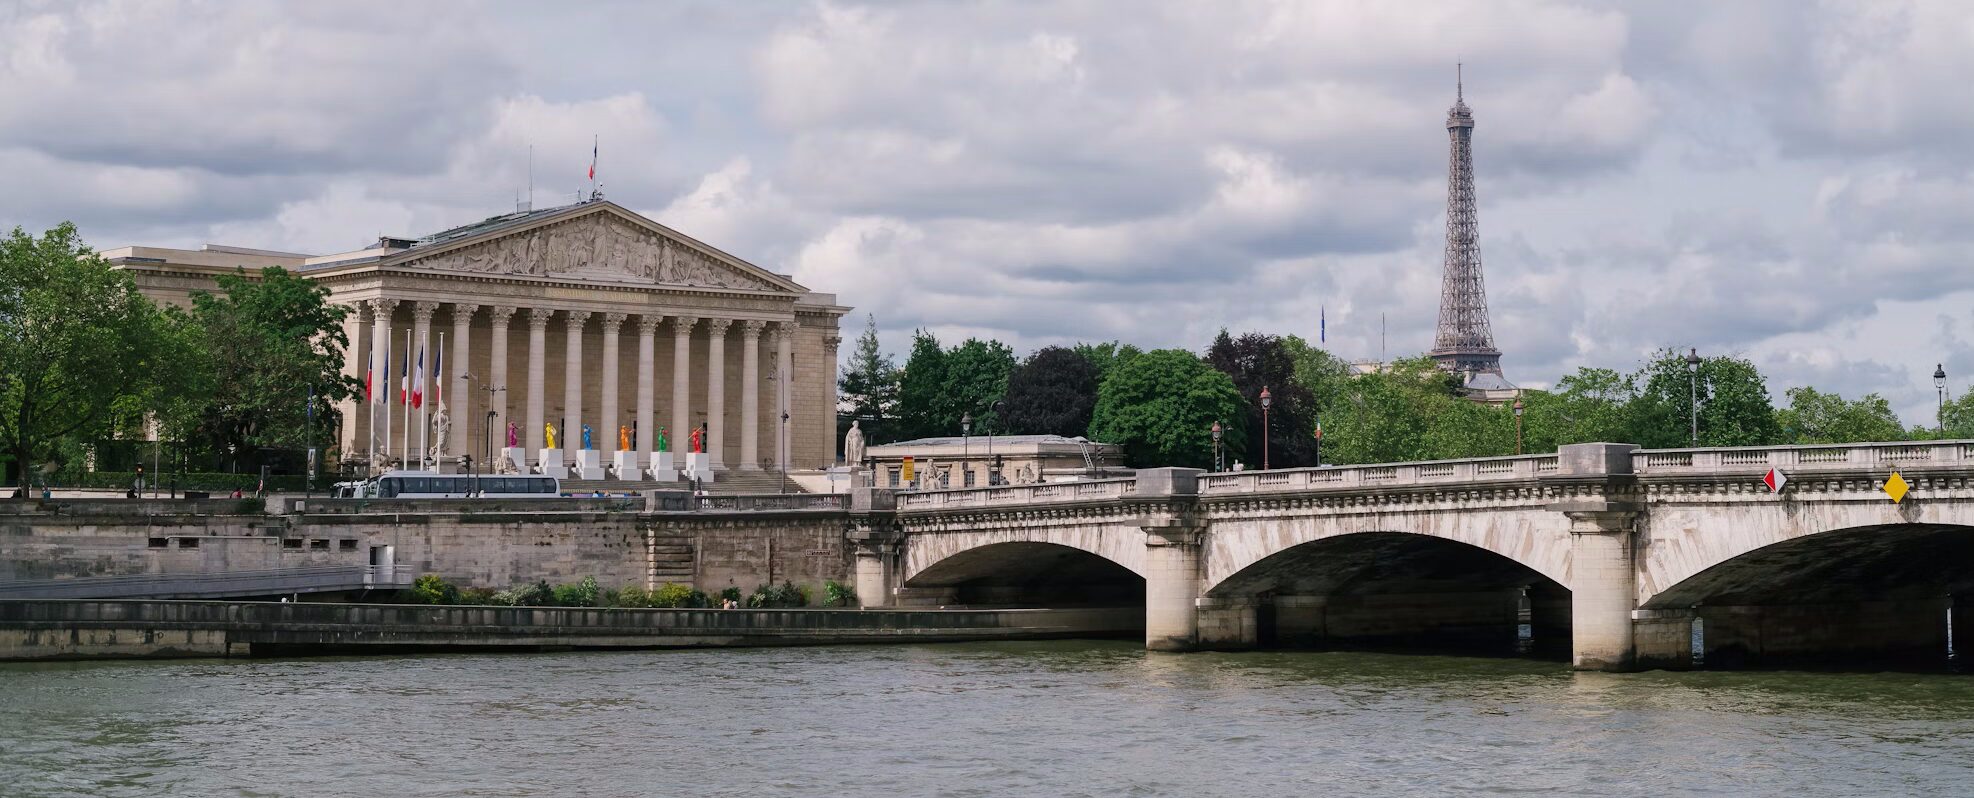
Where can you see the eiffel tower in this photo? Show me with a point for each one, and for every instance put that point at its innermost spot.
(1465, 343)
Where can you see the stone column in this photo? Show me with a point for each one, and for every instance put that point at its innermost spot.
(421, 380)
(647, 360)
(1172, 554)
(1603, 585)
(572, 383)
(785, 395)
(382, 385)
(877, 538)
(607, 432)
(355, 355)
(537, 377)
(830, 440)
(499, 315)
(716, 390)
(682, 384)
(459, 393)
(750, 395)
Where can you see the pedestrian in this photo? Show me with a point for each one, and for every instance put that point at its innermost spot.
(236, 493)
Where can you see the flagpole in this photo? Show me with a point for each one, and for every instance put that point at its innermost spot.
(384, 389)
(370, 399)
(404, 384)
(424, 412)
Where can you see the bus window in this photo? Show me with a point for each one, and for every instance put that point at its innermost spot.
(387, 488)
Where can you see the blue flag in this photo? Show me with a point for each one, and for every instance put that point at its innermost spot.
(1323, 325)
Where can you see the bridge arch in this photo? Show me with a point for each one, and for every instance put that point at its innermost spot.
(1093, 564)
(1528, 536)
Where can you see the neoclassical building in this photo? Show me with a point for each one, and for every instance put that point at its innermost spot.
(586, 314)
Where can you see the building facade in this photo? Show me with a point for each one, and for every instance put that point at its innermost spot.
(583, 315)
(981, 460)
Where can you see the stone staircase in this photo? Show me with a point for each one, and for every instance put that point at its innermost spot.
(670, 558)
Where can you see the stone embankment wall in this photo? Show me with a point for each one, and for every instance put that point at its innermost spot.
(492, 546)
(31, 630)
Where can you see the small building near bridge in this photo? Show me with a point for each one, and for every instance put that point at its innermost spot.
(982, 460)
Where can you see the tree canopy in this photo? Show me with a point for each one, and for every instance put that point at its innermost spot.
(1816, 417)
(1256, 362)
(274, 346)
(1053, 392)
(868, 389)
(1161, 407)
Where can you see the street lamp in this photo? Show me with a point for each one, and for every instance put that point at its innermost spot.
(1693, 389)
(785, 448)
(1518, 425)
(966, 432)
(1219, 462)
(1317, 416)
(1940, 386)
(1266, 400)
(994, 466)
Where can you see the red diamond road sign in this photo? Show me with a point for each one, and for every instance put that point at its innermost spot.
(1775, 479)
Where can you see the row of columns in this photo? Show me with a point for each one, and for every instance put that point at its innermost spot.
(779, 333)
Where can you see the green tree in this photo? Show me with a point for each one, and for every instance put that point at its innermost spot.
(1053, 392)
(1409, 411)
(1816, 417)
(80, 349)
(921, 404)
(1589, 406)
(1957, 416)
(1733, 400)
(976, 377)
(275, 345)
(1161, 406)
(869, 387)
(1107, 356)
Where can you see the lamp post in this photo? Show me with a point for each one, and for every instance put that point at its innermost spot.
(1266, 400)
(784, 460)
(1693, 389)
(1317, 416)
(966, 439)
(1219, 462)
(993, 463)
(1940, 387)
(1518, 425)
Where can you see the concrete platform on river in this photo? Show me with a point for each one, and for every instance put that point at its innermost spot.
(135, 629)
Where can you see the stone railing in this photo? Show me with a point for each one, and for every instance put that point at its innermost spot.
(1042, 493)
(1379, 476)
(759, 502)
(1820, 457)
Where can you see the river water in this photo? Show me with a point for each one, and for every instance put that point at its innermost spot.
(1072, 718)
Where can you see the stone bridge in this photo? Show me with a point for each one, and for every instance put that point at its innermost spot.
(1604, 552)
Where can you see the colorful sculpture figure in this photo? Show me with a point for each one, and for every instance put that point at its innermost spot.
(586, 442)
(698, 440)
(513, 435)
(623, 439)
(550, 430)
(664, 443)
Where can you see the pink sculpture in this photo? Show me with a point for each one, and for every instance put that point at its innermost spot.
(513, 435)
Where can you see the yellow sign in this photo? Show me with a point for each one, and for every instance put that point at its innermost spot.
(1896, 487)
(908, 476)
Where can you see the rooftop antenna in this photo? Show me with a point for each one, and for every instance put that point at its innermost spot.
(1459, 82)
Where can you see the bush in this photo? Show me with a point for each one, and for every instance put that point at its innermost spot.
(786, 595)
(538, 594)
(432, 589)
(698, 600)
(837, 594)
(670, 595)
(477, 595)
(580, 594)
(730, 593)
(223, 482)
(632, 596)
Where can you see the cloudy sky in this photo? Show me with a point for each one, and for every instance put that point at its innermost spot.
(1783, 180)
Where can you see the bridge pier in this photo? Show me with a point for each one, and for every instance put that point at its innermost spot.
(1595, 479)
(1228, 623)
(1172, 559)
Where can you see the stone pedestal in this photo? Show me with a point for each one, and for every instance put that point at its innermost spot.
(699, 465)
(663, 467)
(589, 464)
(627, 468)
(514, 454)
(550, 463)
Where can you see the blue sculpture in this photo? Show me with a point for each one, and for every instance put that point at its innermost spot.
(586, 443)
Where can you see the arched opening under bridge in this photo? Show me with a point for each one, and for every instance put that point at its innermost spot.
(1027, 574)
(1865, 597)
(1403, 592)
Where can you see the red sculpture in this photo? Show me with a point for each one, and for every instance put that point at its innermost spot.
(698, 442)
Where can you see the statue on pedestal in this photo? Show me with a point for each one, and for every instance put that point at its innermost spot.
(623, 439)
(853, 445)
(698, 440)
(587, 445)
(664, 443)
(550, 430)
(441, 431)
(513, 435)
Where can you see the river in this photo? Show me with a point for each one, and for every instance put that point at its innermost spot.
(1072, 718)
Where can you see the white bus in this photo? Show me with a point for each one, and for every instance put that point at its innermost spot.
(430, 485)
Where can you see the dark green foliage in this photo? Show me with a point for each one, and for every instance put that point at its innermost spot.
(1734, 404)
(671, 595)
(537, 594)
(940, 386)
(1054, 392)
(837, 594)
(1107, 356)
(1255, 362)
(580, 594)
(268, 342)
(1161, 405)
(730, 594)
(785, 595)
(921, 402)
(869, 388)
(1815, 417)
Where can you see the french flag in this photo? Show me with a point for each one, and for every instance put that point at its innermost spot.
(404, 376)
(383, 396)
(439, 372)
(418, 382)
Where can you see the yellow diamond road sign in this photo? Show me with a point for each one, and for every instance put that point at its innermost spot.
(1896, 487)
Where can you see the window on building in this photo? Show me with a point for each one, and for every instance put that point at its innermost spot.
(969, 478)
(894, 477)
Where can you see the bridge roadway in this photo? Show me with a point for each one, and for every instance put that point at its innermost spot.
(1604, 551)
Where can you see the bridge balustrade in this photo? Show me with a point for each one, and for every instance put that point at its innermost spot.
(1381, 475)
(1814, 457)
(1042, 493)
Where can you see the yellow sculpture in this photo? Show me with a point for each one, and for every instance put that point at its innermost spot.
(623, 439)
(551, 434)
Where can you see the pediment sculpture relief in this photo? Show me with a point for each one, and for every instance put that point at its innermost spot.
(597, 245)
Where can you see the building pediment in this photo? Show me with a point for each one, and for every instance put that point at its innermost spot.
(591, 243)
